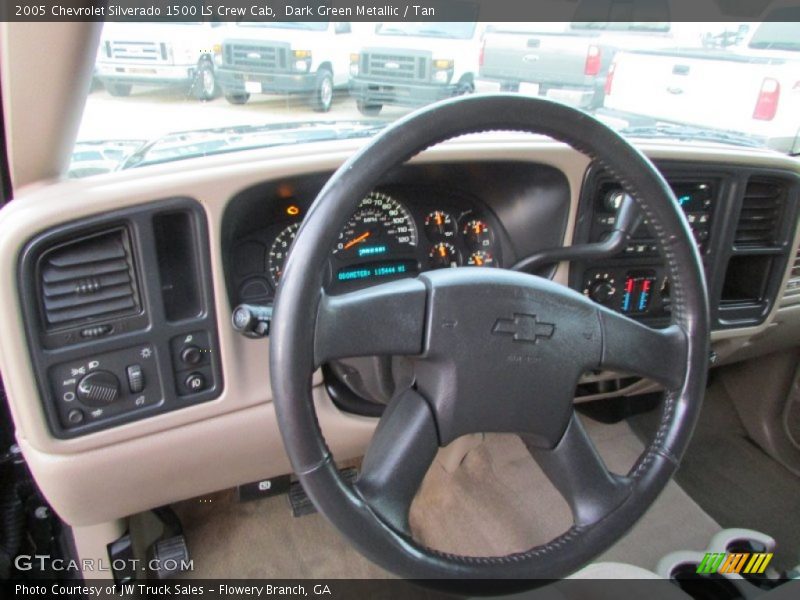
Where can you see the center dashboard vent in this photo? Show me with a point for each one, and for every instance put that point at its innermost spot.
(88, 279)
(760, 218)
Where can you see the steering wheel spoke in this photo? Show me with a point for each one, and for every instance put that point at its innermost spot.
(387, 319)
(630, 347)
(402, 449)
(578, 472)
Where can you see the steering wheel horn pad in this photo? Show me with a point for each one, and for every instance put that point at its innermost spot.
(493, 351)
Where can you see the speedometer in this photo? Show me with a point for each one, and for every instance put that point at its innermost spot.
(381, 225)
(279, 251)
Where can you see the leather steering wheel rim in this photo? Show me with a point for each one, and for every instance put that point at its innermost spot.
(404, 317)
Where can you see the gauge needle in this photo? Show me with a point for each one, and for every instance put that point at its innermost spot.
(357, 240)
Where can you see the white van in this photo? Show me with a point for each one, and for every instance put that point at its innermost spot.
(415, 63)
(266, 58)
(165, 54)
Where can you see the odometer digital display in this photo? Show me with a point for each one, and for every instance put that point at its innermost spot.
(377, 270)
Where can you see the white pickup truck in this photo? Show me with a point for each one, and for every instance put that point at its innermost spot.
(753, 90)
(161, 54)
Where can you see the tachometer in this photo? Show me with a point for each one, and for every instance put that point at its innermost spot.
(381, 225)
(279, 251)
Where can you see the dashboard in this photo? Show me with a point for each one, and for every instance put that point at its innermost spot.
(186, 247)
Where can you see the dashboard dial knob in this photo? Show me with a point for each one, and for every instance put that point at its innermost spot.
(98, 388)
(601, 291)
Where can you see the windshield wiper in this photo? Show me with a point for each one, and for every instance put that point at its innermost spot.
(689, 132)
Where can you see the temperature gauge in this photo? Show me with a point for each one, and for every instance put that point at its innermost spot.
(477, 234)
(439, 225)
(480, 258)
(443, 255)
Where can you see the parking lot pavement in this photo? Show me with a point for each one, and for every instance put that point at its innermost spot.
(150, 112)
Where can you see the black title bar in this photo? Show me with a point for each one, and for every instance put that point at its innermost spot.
(392, 10)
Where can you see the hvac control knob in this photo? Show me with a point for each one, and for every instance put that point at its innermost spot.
(601, 291)
(98, 388)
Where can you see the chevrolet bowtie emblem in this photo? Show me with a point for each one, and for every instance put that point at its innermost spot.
(524, 328)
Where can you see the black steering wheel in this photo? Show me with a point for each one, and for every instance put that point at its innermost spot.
(493, 351)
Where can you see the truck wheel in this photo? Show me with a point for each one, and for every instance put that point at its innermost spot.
(237, 98)
(323, 92)
(465, 86)
(368, 110)
(118, 89)
(204, 86)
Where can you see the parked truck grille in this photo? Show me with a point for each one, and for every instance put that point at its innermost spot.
(257, 57)
(138, 51)
(400, 67)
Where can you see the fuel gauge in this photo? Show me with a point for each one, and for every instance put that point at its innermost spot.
(443, 255)
(439, 225)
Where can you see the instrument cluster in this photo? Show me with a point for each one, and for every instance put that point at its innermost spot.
(394, 233)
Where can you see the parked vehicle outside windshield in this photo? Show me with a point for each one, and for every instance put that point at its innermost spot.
(170, 91)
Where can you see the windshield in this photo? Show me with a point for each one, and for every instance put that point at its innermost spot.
(164, 91)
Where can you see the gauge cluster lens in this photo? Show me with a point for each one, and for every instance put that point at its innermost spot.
(380, 225)
(381, 241)
(279, 251)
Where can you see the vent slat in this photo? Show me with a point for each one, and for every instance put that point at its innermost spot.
(86, 284)
(92, 311)
(88, 279)
(760, 215)
(91, 251)
(53, 275)
(103, 294)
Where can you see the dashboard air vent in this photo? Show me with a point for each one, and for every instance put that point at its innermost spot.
(760, 218)
(88, 279)
(791, 295)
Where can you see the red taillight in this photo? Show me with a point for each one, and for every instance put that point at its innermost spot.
(480, 56)
(610, 78)
(593, 56)
(767, 104)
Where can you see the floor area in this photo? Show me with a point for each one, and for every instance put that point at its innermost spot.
(497, 501)
(734, 481)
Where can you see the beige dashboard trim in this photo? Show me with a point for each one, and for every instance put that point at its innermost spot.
(234, 439)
